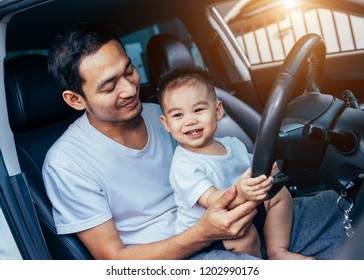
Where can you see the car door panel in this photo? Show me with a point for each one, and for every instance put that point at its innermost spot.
(18, 208)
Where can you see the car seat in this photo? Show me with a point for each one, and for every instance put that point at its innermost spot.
(38, 116)
(165, 52)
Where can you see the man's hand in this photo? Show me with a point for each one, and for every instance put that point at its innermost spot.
(218, 222)
(255, 189)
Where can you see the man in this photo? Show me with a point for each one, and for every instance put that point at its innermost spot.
(107, 176)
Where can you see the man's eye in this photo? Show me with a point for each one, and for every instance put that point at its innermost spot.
(109, 89)
(129, 71)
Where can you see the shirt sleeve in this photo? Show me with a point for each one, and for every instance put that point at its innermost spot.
(77, 200)
(188, 180)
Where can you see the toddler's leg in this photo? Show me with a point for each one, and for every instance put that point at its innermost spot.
(249, 243)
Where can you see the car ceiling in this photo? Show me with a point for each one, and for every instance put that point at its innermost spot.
(354, 6)
(34, 27)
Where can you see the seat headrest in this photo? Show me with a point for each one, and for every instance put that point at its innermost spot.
(33, 97)
(165, 52)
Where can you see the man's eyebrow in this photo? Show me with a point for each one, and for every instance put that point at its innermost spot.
(108, 80)
(105, 82)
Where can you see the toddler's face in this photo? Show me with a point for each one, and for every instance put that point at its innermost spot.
(191, 114)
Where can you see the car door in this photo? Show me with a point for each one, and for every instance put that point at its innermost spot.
(18, 209)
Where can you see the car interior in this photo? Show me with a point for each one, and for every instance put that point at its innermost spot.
(38, 115)
(36, 129)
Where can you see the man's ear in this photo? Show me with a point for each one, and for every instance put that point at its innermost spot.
(219, 110)
(74, 100)
(165, 122)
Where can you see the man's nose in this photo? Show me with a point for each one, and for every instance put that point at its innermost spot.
(127, 88)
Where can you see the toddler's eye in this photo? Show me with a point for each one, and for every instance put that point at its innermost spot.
(178, 115)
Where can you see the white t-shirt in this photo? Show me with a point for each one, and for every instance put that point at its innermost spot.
(193, 173)
(90, 179)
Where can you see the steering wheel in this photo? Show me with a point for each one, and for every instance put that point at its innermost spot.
(310, 47)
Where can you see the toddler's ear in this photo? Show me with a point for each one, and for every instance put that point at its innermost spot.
(219, 110)
(164, 122)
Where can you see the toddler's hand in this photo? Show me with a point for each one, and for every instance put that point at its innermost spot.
(255, 189)
(275, 169)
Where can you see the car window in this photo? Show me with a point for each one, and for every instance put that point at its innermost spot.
(135, 44)
(24, 52)
(278, 26)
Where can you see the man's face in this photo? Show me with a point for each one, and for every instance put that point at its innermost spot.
(111, 86)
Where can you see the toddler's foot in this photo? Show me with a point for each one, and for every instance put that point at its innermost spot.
(283, 254)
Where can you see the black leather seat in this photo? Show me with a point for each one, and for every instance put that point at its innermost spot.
(166, 52)
(38, 116)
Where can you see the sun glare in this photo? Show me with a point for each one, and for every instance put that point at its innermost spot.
(289, 4)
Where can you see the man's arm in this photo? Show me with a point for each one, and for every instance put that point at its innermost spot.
(217, 223)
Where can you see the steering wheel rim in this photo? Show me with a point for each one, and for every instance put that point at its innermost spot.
(309, 46)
